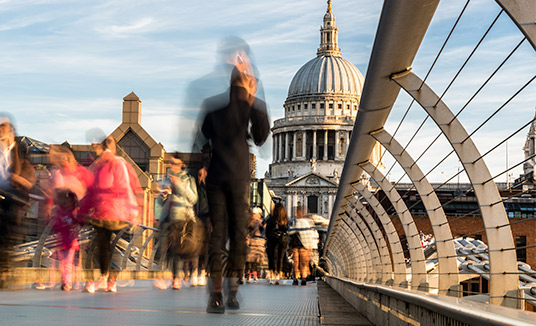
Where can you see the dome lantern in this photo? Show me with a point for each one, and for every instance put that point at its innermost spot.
(329, 35)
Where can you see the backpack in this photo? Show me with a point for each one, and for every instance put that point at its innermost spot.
(186, 238)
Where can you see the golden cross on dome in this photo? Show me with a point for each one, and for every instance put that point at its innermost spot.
(329, 5)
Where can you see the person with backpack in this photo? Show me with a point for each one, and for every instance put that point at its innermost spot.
(277, 236)
(179, 224)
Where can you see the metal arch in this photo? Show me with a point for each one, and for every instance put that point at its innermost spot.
(344, 264)
(367, 257)
(378, 266)
(341, 256)
(364, 215)
(504, 284)
(359, 255)
(375, 273)
(523, 14)
(448, 267)
(418, 264)
(399, 264)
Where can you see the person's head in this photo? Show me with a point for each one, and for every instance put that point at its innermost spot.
(299, 212)
(280, 214)
(256, 213)
(61, 155)
(177, 165)
(109, 143)
(66, 199)
(96, 137)
(7, 131)
(232, 47)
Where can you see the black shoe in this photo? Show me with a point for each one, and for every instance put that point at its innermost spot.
(215, 304)
(303, 282)
(295, 282)
(232, 302)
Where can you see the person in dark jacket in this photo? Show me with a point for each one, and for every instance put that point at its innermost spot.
(277, 236)
(228, 128)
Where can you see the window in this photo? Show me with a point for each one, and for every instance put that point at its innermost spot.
(521, 242)
(313, 106)
(305, 106)
(321, 105)
(312, 204)
(299, 107)
(293, 108)
(348, 107)
(340, 106)
(331, 105)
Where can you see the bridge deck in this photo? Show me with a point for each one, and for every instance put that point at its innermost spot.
(139, 303)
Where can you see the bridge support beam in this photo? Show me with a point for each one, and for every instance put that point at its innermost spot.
(447, 265)
(504, 283)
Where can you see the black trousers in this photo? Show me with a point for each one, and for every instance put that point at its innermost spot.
(228, 207)
(103, 238)
(276, 250)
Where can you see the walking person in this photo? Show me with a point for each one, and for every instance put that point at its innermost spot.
(277, 236)
(302, 242)
(256, 245)
(181, 212)
(112, 203)
(69, 185)
(228, 125)
(17, 177)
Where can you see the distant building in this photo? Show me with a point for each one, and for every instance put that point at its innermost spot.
(310, 143)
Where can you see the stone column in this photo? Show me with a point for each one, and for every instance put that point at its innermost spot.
(289, 204)
(314, 144)
(296, 198)
(294, 147)
(304, 144)
(279, 147)
(330, 204)
(336, 152)
(274, 149)
(287, 147)
(326, 144)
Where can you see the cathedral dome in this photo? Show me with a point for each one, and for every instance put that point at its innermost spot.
(326, 74)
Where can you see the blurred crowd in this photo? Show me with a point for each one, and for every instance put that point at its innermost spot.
(207, 233)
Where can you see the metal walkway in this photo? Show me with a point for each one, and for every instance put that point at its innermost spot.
(139, 303)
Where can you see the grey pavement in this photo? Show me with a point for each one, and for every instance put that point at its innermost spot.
(139, 303)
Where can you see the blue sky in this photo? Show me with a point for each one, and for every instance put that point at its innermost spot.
(65, 65)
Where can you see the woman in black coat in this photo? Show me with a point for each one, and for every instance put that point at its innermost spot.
(277, 236)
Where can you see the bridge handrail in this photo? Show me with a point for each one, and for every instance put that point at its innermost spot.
(460, 309)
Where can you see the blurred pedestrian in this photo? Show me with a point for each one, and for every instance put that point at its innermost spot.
(112, 203)
(181, 212)
(228, 125)
(302, 242)
(277, 236)
(202, 212)
(17, 177)
(256, 245)
(70, 181)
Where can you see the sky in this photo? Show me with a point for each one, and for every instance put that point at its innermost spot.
(65, 65)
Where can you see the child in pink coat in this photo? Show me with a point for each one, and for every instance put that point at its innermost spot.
(70, 183)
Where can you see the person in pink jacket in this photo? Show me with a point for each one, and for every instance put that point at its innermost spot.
(69, 183)
(111, 204)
